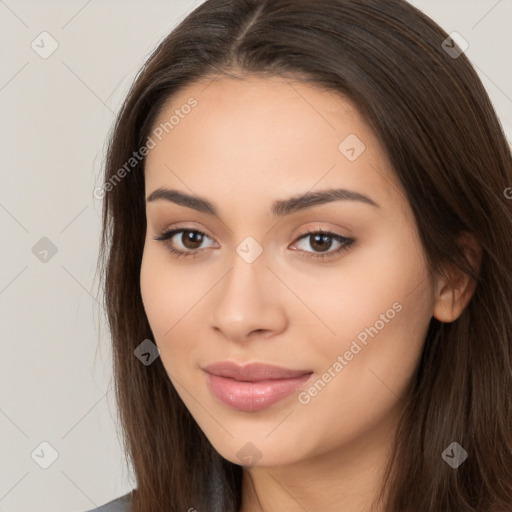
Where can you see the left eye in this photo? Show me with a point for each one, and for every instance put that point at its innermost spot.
(322, 241)
(192, 239)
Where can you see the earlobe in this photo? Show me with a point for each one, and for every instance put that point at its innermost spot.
(454, 290)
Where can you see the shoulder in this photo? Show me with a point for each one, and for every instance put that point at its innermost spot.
(121, 504)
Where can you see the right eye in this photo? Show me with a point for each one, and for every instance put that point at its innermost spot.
(190, 240)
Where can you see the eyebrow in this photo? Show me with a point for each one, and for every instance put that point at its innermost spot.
(280, 208)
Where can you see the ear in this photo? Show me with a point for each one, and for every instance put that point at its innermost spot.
(453, 291)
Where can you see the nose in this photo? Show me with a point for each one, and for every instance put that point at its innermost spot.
(249, 301)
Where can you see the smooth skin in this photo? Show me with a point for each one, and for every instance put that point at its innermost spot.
(246, 144)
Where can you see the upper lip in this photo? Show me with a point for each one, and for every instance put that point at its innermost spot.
(253, 372)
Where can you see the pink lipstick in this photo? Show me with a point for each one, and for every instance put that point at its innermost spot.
(254, 386)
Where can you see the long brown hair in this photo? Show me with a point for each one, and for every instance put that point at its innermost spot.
(450, 156)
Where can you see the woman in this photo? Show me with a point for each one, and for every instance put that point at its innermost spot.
(307, 258)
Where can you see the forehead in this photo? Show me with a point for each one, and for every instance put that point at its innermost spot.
(261, 135)
(262, 106)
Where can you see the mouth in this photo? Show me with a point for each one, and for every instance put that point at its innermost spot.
(254, 386)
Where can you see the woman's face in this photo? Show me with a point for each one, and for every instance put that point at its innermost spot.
(349, 314)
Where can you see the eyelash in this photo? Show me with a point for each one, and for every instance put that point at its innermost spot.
(346, 243)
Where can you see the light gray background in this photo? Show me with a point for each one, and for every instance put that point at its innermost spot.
(55, 360)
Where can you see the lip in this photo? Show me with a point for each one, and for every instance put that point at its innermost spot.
(254, 386)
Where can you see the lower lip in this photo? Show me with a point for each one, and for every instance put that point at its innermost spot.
(253, 396)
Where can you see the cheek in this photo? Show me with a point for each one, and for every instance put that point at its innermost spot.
(380, 310)
(172, 301)
(162, 291)
(152, 290)
(377, 290)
